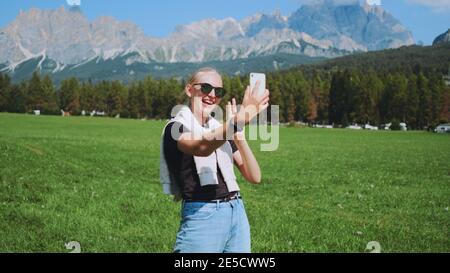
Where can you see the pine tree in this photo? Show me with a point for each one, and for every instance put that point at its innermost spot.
(17, 98)
(69, 95)
(412, 102)
(226, 83)
(444, 116)
(88, 100)
(374, 87)
(290, 109)
(49, 95)
(354, 97)
(154, 96)
(116, 98)
(339, 97)
(100, 95)
(5, 89)
(320, 97)
(396, 98)
(437, 87)
(35, 94)
(424, 114)
(312, 110)
(145, 103)
(276, 97)
(133, 101)
(302, 97)
(237, 89)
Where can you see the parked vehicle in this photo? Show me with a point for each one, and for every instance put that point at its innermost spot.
(443, 128)
(370, 127)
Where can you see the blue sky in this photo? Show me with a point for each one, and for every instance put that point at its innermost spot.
(425, 18)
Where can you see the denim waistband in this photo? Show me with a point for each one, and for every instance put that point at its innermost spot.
(235, 196)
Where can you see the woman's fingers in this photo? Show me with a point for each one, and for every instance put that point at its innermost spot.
(258, 103)
(263, 107)
(255, 89)
(228, 108)
(247, 93)
(265, 96)
(266, 100)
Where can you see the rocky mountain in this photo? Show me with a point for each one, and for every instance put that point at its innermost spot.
(443, 38)
(351, 26)
(64, 39)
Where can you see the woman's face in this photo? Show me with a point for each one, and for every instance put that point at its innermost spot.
(200, 101)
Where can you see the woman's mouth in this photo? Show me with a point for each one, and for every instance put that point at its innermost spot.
(208, 101)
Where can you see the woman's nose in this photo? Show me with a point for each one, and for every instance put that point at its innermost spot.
(212, 94)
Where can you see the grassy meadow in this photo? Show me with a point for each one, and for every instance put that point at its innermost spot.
(96, 181)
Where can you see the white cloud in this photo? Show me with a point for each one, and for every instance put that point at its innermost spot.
(374, 2)
(334, 2)
(440, 5)
(73, 2)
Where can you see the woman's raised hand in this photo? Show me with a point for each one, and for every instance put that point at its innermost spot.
(252, 105)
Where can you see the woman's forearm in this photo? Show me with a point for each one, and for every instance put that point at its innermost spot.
(250, 167)
(208, 143)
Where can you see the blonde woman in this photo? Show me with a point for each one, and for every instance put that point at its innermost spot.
(197, 163)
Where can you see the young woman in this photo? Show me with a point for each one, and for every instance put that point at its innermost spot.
(197, 165)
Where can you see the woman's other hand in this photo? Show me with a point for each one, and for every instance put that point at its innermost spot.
(252, 105)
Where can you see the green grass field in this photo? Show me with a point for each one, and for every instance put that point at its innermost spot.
(96, 181)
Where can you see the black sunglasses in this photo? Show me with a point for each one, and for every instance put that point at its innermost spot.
(207, 88)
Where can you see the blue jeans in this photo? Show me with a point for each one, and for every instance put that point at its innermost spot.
(213, 228)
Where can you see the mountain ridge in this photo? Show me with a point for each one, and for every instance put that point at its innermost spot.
(443, 38)
(67, 38)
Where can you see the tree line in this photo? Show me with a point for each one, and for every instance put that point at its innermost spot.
(419, 98)
(341, 97)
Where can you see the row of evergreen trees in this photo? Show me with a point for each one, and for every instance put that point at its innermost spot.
(420, 98)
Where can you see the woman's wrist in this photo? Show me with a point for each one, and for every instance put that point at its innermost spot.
(237, 128)
(232, 128)
(239, 137)
(239, 120)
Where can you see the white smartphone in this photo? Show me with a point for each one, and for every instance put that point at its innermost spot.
(255, 77)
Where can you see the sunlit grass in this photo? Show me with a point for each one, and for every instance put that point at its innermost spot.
(96, 181)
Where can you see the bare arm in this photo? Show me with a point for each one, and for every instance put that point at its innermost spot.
(205, 146)
(246, 161)
(210, 141)
(244, 158)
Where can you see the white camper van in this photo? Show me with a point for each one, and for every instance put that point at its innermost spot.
(443, 128)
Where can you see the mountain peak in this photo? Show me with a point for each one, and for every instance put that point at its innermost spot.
(318, 28)
(443, 38)
(340, 20)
